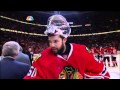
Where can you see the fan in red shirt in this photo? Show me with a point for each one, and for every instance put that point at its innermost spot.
(64, 60)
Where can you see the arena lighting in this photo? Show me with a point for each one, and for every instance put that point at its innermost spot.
(32, 23)
(56, 12)
(67, 12)
(76, 26)
(118, 30)
(35, 34)
(87, 24)
(21, 21)
(70, 22)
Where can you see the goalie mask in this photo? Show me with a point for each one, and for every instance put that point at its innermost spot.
(58, 25)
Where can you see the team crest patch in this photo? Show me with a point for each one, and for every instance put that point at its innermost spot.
(36, 56)
(70, 73)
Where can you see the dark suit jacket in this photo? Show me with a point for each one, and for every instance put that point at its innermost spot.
(12, 69)
(23, 58)
(30, 56)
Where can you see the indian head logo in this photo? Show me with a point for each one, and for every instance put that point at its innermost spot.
(70, 73)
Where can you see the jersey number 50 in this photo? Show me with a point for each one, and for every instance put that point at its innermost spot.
(32, 72)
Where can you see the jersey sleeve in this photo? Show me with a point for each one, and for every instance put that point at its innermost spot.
(36, 70)
(95, 69)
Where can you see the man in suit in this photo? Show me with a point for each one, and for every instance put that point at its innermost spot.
(1, 57)
(22, 57)
(30, 54)
(10, 67)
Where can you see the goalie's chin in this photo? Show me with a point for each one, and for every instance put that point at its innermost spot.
(55, 51)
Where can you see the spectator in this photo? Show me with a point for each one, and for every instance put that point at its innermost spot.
(10, 68)
(22, 57)
(30, 54)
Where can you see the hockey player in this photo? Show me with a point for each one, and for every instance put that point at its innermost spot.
(106, 56)
(114, 55)
(65, 60)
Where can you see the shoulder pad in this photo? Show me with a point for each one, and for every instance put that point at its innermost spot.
(36, 56)
(88, 50)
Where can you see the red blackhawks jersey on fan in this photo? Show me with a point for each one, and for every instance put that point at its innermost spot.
(80, 64)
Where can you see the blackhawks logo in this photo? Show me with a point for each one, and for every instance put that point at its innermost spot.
(70, 73)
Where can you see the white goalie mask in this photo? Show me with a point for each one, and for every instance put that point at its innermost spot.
(58, 25)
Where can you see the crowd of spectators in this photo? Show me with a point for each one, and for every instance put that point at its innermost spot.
(39, 43)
